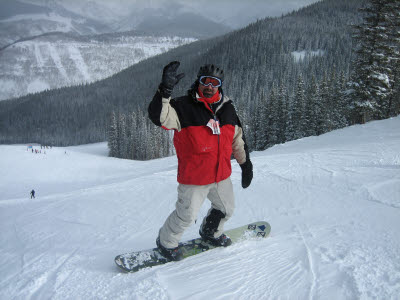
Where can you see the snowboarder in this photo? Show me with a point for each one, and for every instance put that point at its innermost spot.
(207, 131)
(32, 194)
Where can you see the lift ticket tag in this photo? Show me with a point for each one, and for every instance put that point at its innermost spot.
(214, 125)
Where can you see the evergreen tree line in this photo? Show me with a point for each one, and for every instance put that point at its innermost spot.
(279, 117)
(133, 136)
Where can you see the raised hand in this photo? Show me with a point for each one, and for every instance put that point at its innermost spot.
(170, 78)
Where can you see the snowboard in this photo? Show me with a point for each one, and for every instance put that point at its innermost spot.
(135, 261)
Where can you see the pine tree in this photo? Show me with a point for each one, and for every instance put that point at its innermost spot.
(262, 117)
(342, 113)
(312, 100)
(395, 101)
(113, 136)
(298, 116)
(283, 98)
(122, 137)
(290, 128)
(273, 117)
(321, 110)
(132, 136)
(394, 41)
(373, 76)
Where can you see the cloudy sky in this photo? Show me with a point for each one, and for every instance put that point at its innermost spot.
(235, 13)
(239, 12)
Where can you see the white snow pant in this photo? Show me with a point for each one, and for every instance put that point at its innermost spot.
(190, 200)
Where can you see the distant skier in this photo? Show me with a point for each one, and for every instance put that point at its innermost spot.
(32, 194)
(207, 132)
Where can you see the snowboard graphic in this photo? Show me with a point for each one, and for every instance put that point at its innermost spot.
(135, 261)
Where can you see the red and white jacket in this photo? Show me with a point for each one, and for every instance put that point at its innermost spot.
(203, 156)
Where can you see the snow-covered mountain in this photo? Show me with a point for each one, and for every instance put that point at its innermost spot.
(50, 44)
(58, 59)
(333, 202)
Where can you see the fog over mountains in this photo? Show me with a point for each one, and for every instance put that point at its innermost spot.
(119, 13)
(47, 44)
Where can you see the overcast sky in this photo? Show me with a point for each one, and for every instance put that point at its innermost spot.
(238, 12)
(235, 13)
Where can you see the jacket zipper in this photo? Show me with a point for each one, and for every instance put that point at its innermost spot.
(216, 174)
(215, 119)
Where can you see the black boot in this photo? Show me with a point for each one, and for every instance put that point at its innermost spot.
(222, 241)
(170, 253)
(209, 228)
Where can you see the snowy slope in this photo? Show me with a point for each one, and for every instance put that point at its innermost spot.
(333, 202)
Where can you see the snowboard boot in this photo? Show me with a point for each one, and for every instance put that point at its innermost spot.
(170, 253)
(209, 228)
(222, 241)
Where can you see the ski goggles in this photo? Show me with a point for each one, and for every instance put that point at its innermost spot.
(209, 80)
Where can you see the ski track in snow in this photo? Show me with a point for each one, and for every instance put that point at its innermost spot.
(310, 263)
(38, 56)
(45, 284)
(79, 62)
(333, 207)
(57, 61)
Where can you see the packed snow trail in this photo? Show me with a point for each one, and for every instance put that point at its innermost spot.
(333, 202)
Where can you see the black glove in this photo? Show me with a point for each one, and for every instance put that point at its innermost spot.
(247, 173)
(170, 79)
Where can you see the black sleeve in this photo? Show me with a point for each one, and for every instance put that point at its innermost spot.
(155, 108)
